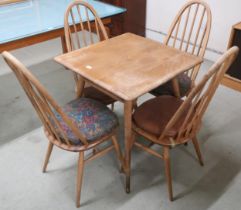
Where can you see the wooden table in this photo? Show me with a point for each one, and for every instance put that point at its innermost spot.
(31, 22)
(126, 67)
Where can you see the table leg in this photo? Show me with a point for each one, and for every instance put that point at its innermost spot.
(175, 86)
(63, 43)
(128, 138)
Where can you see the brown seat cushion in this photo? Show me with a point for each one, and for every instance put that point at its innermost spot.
(93, 93)
(153, 115)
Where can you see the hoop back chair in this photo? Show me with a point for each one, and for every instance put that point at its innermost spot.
(66, 127)
(82, 28)
(169, 121)
(189, 32)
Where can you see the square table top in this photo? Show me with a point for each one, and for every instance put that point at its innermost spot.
(128, 65)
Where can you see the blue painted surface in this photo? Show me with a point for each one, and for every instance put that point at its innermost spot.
(38, 16)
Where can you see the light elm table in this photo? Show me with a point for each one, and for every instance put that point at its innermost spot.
(126, 67)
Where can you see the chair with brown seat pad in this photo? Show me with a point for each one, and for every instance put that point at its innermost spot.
(83, 27)
(189, 32)
(79, 126)
(169, 121)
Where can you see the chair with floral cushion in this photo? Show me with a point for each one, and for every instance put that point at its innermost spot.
(169, 121)
(80, 125)
(189, 32)
(82, 28)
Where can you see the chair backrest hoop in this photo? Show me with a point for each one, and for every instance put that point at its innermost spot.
(81, 22)
(194, 36)
(78, 18)
(43, 103)
(196, 103)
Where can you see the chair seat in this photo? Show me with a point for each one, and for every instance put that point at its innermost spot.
(184, 82)
(91, 92)
(153, 115)
(93, 119)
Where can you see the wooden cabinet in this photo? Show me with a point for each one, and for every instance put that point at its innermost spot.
(233, 77)
(134, 20)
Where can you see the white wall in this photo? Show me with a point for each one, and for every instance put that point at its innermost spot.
(225, 13)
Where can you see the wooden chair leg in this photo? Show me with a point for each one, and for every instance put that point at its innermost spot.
(166, 158)
(50, 148)
(197, 149)
(118, 152)
(79, 177)
(95, 150)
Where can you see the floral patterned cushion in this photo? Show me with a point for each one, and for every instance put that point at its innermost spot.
(93, 119)
(185, 84)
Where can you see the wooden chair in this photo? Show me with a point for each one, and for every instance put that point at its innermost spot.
(82, 28)
(189, 32)
(169, 121)
(80, 125)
